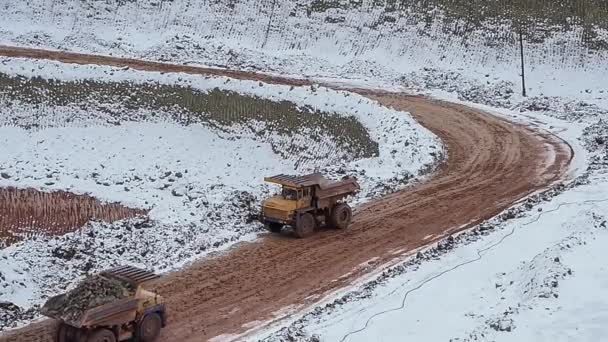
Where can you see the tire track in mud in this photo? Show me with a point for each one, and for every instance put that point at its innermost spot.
(491, 164)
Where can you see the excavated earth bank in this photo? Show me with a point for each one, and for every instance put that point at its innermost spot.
(56, 212)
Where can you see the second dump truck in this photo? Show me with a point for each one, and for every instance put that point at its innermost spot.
(111, 306)
(306, 202)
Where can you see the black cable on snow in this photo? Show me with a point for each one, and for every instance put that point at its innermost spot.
(480, 254)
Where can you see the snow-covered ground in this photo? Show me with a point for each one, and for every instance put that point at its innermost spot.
(353, 42)
(202, 183)
(534, 273)
(537, 276)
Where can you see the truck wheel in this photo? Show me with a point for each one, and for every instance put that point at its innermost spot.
(305, 225)
(341, 216)
(273, 227)
(149, 328)
(102, 335)
(62, 333)
(67, 333)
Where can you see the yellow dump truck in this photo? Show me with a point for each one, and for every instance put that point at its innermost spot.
(307, 202)
(109, 307)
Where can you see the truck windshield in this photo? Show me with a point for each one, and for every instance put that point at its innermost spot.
(290, 194)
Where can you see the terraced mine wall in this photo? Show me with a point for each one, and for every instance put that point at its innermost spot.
(537, 18)
(26, 213)
(294, 24)
(217, 109)
(217, 31)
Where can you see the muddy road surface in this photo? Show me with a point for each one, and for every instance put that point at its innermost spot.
(492, 163)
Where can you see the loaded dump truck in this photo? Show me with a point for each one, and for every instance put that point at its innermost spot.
(109, 307)
(306, 202)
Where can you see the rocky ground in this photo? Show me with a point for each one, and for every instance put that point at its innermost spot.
(93, 291)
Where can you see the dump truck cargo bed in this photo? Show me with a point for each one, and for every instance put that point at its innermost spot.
(104, 299)
(344, 187)
(113, 313)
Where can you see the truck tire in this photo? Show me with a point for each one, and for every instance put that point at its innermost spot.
(149, 327)
(341, 216)
(305, 225)
(62, 333)
(273, 227)
(67, 333)
(102, 335)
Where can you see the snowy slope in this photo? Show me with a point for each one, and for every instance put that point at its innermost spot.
(533, 273)
(357, 42)
(392, 130)
(202, 184)
(534, 282)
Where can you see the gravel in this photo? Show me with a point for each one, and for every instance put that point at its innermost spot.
(92, 292)
(11, 315)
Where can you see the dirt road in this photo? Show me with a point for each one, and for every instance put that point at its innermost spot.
(492, 163)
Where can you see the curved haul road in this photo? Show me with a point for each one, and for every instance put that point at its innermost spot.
(492, 163)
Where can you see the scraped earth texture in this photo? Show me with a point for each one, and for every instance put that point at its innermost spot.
(491, 164)
(28, 212)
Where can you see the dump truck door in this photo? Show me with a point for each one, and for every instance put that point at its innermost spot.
(304, 198)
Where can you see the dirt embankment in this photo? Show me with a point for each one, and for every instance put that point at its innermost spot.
(492, 163)
(24, 211)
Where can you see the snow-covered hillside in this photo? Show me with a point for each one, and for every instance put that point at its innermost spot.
(345, 39)
(202, 182)
(536, 272)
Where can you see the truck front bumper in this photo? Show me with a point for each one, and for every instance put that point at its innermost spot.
(272, 215)
(266, 219)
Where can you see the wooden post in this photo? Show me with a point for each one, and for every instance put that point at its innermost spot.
(523, 69)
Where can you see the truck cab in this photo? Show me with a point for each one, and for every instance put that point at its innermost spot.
(281, 208)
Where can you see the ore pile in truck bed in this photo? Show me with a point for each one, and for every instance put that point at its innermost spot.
(92, 292)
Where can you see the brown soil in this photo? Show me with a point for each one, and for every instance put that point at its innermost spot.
(25, 213)
(492, 163)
